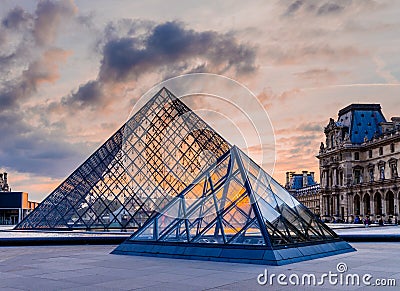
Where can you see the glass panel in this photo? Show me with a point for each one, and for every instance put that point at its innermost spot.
(278, 234)
(177, 235)
(251, 235)
(213, 235)
(279, 191)
(266, 210)
(147, 233)
(236, 218)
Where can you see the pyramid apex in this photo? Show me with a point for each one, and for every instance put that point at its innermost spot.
(165, 92)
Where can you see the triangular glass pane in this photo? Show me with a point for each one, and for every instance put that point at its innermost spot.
(169, 216)
(262, 191)
(211, 235)
(237, 217)
(279, 191)
(251, 235)
(278, 234)
(179, 234)
(147, 233)
(266, 210)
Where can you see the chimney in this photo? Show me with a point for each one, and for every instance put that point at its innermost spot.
(287, 179)
(305, 178)
(312, 176)
(1, 182)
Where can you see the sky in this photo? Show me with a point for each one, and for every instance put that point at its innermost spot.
(70, 72)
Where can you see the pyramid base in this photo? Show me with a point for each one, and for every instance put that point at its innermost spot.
(235, 253)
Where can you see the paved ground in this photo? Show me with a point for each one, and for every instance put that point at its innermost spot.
(93, 268)
(361, 230)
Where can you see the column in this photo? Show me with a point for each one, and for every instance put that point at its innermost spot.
(384, 204)
(371, 205)
(361, 204)
(334, 177)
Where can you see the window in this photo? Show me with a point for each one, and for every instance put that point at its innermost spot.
(392, 148)
(357, 156)
(370, 154)
(393, 168)
(357, 176)
(381, 151)
(371, 174)
(382, 171)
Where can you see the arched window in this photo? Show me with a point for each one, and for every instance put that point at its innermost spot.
(378, 203)
(367, 204)
(357, 204)
(390, 203)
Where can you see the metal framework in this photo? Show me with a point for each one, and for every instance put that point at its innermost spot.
(154, 156)
(234, 202)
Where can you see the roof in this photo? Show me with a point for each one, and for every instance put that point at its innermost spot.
(363, 120)
(297, 181)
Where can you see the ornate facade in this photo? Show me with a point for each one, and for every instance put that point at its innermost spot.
(359, 165)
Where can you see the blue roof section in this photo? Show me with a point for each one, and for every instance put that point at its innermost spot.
(298, 181)
(365, 123)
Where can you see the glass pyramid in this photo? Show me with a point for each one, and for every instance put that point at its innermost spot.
(234, 211)
(153, 157)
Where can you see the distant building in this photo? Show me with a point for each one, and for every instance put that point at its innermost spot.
(14, 206)
(4, 183)
(305, 189)
(359, 164)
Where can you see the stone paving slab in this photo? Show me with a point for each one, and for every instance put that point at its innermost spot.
(92, 267)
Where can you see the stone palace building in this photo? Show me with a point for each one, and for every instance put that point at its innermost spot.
(305, 189)
(359, 165)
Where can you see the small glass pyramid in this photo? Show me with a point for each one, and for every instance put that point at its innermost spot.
(234, 211)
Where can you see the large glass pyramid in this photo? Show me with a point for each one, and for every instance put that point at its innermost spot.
(234, 211)
(153, 157)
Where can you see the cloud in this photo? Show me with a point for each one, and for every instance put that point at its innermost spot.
(87, 95)
(39, 71)
(167, 49)
(49, 16)
(30, 58)
(321, 75)
(29, 149)
(329, 8)
(16, 18)
(171, 43)
(319, 8)
(294, 7)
